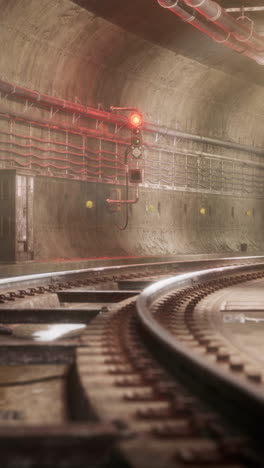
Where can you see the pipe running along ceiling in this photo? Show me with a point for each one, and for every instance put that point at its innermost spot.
(237, 34)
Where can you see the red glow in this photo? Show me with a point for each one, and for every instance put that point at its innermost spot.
(135, 119)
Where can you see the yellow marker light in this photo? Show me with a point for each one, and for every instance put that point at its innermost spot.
(202, 211)
(89, 204)
(248, 212)
(149, 208)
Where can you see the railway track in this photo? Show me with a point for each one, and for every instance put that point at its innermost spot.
(150, 379)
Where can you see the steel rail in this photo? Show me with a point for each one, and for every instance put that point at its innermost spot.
(246, 401)
(55, 275)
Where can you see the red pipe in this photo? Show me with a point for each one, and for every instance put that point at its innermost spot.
(63, 105)
(206, 28)
(222, 36)
(149, 127)
(212, 11)
(89, 132)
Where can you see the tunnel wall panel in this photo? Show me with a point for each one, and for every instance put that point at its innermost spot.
(163, 222)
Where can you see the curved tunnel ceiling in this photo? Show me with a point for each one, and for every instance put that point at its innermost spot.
(173, 73)
(148, 20)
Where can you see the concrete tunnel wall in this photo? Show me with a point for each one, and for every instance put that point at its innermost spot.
(64, 50)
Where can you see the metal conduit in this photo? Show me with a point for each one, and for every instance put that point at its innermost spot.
(224, 35)
(93, 113)
(9, 89)
(215, 13)
(207, 28)
(75, 129)
(90, 133)
(203, 139)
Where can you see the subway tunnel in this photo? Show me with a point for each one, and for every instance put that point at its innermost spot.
(132, 54)
(82, 188)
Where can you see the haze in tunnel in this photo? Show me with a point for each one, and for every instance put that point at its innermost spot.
(196, 197)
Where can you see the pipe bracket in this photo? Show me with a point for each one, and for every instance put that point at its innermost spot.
(222, 41)
(162, 4)
(251, 30)
(190, 4)
(38, 95)
(217, 15)
(191, 18)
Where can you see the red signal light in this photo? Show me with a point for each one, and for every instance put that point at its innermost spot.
(135, 119)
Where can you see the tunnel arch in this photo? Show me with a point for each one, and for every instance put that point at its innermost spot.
(62, 49)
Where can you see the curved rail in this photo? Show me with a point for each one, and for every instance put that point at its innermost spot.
(54, 275)
(246, 400)
(64, 274)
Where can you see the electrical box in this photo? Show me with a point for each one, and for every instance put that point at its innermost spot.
(16, 216)
(135, 176)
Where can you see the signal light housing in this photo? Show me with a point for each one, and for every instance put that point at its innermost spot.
(135, 175)
(136, 137)
(136, 143)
